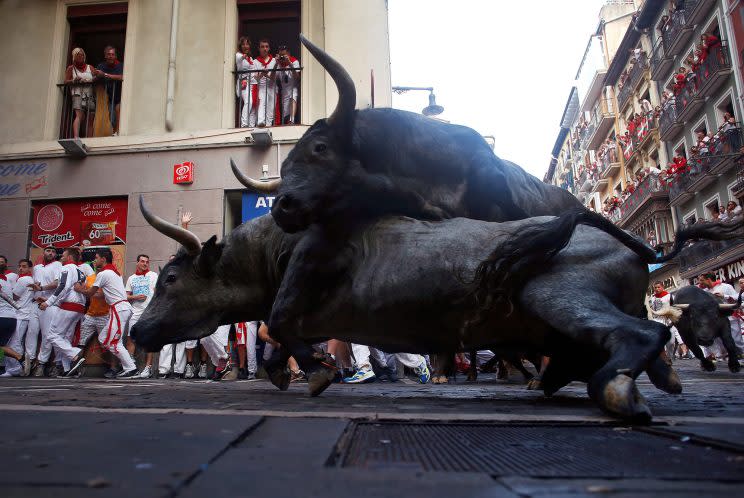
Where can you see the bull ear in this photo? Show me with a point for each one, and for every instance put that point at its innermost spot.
(210, 254)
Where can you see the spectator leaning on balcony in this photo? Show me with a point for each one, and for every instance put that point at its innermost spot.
(289, 83)
(730, 132)
(79, 75)
(266, 84)
(733, 210)
(245, 87)
(112, 71)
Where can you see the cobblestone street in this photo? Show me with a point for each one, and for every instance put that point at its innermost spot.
(71, 437)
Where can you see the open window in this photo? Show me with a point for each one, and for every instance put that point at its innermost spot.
(278, 22)
(91, 107)
(712, 207)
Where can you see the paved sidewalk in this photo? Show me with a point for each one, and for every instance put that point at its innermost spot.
(70, 437)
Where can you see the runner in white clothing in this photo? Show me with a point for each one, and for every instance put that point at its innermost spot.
(110, 282)
(140, 288)
(659, 300)
(71, 306)
(727, 294)
(46, 279)
(27, 321)
(9, 275)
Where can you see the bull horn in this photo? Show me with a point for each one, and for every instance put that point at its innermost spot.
(346, 91)
(681, 306)
(265, 186)
(727, 306)
(187, 239)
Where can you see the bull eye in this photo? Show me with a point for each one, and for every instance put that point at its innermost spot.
(319, 148)
(170, 279)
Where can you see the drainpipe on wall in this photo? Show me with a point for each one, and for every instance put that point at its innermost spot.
(171, 95)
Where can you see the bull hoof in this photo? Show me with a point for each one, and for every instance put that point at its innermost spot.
(707, 365)
(319, 380)
(535, 384)
(664, 377)
(280, 377)
(620, 397)
(734, 365)
(472, 377)
(439, 379)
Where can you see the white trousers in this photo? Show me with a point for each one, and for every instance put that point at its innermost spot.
(110, 337)
(266, 103)
(736, 332)
(361, 354)
(247, 337)
(61, 333)
(215, 344)
(247, 112)
(289, 95)
(166, 357)
(28, 330)
(45, 324)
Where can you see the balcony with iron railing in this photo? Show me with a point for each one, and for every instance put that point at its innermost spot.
(603, 118)
(267, 98)
(644, 131)
(697, 10)
(608, 163)
(635, 76)
(661, 62)
(704, 168)
(648, 190)
(669, 126)
(701, 255)
(89, 109)
(676, 32)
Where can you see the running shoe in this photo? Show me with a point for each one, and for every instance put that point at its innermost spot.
(75, 363)
(27, 367)
(128, 374)
(422, 372)
(111, 373)
(297, 376)
(360, 377)
(203, 371)
(251, 376)
(38, 370)
(189, 373)
(146, 373)
(242, 374)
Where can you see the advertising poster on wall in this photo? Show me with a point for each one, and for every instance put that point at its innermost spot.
(255, 205)
(83, 223)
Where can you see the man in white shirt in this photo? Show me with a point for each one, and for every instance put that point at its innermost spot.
(266, 83)
(27, 321)
(246, 83)
(9, 275)
(46, 279)
(659, 300)
(289, 84)
(71, 306)
(140, 288)
(120, 311)
(728, 294)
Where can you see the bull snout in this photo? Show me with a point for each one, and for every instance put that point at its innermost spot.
(146, 337)
(288, 214)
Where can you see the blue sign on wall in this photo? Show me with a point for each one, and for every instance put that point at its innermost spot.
(255, 205)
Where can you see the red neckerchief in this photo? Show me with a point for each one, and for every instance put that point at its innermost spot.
(248, 58)
(44, 264)
(137, 272)
(264, 64)
(116, 62)
(112, 268)
(660, 294)
(80, 67)
(2, 276)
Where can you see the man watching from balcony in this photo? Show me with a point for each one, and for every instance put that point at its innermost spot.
(112, 71)
(266, 84)
(79, 77)
(289, 83)
(733, 210)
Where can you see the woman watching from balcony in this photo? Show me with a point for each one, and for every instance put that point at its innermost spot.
(246, 87)
(79, 76)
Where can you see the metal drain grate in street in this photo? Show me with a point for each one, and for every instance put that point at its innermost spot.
(533, 451)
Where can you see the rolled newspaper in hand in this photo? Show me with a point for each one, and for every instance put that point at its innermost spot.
(9, 300)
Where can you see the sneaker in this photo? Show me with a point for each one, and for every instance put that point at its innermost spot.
(146, 373)
(128, 374)
(422, 372)
(162, 375)
(75, 363)
(174, 375)
(203, 371)
(251, 376)
(222, 369)
(297, 376)
(111, 373)
(360, 377)
(242, 374)
(38, 370)
(189, 373)
(27, 367)
(6, 374)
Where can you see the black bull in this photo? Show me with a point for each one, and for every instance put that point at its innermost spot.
(407, 290)
(356, 166)
(700, 318)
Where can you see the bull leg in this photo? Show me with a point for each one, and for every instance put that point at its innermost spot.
(276, 368)
(705, 363)
(733, 352)
(663, 376)
(444, 366)
(490, 365)
(473, 370)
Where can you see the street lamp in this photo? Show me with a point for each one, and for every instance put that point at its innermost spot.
(430, 110)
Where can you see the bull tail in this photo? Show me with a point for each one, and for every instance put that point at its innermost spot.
(703, 231)
(519, 258)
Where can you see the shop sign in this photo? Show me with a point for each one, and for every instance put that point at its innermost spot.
(76, 222)
(255, 205)
(23, 180)
(727, 273)
(183, 174)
